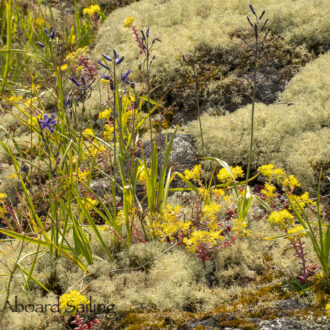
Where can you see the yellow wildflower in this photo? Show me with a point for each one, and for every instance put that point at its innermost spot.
(279, 174)
(70, 302)
(269, 191)
(203, 192)
(240, 228)
(201, 236)
(128, 99)
(194, 173)
(167, 224)
(297, 231)
(64, 67)
(108, 132)
(105, 114)
(92, 10)
(267, 170)
(89, 202)
(82, 176)
(302, 200)
(281, 218)
(218, 192)
(3, 196)
(225, 177)
(291, 181)
(15, 99)
(327, 309)
(210, 211)
(88, 133)
(94, 149)
(128, 22)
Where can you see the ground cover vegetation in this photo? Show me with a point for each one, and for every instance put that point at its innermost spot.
(89, 214)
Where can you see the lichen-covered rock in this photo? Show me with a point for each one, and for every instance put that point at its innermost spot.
(210, 31)
(293, 135)
(183, 153)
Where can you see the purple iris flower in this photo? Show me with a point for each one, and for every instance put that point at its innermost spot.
(107, 57)
(74, 81)
(147, 32)
(40, 44)
(51, 33)
(105, 66)
(125, 75)
(24, 168)
(48, 122)
(116, 57)
(119, 60)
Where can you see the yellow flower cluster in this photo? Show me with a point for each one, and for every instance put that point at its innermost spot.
(89, 203)
(283, 218)
(277, 175)
(225, 177)
(93, 149)
(291, 182)
(75, 55)
(82, 176)
(210, 211)
(218, 192)
(302, 200)
(240, 228)
(194, 174)
(327, 309)
(296, 232)
(168, 223)
(201, 236)
(3, 196)
(92, 10)
(88, 132)
(105, 114)
(128, 22)
(108, 132)
(72, 301)
(269, 191)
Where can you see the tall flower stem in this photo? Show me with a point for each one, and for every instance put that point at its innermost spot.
(252, 111)
(256, 50)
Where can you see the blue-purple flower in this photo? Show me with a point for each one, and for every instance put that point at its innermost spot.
(116, 58)
(51, 33)
(125, 76)
(24, 168)
(48, 122)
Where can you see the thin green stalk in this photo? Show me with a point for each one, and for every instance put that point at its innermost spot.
(198, 112)
(252, 111)
(9, 39)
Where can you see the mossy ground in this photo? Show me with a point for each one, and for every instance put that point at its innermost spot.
(151, 286)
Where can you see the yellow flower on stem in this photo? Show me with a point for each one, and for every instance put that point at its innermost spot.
(92, 10)
(240, 228)
(105, 114)
(128, 22)
(296, 232)
(225, 177)
(88, 133)
(281, 218)
(70, 302)
(194, 174)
